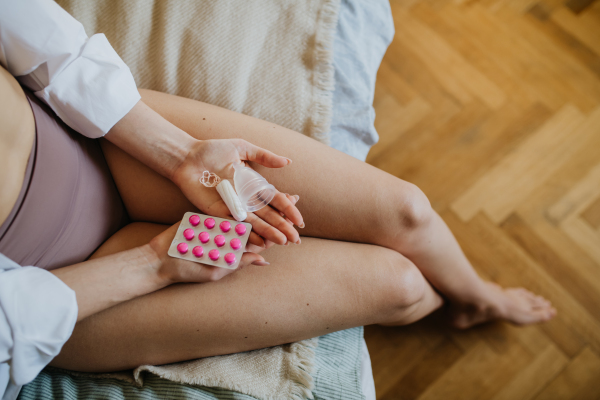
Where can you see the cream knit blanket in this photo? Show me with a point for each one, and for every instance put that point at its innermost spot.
(271, 59)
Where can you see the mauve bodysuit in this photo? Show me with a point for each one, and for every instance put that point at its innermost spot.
(68, 205)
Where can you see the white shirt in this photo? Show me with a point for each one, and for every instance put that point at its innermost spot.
(90, 88)
(82, 79)
(38, 312)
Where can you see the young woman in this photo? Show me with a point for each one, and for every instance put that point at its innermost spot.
(372, 249)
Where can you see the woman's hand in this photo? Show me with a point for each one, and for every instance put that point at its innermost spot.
(218, 156)
(172, 270)
(176, 155)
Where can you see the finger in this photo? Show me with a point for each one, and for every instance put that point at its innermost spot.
(293, 200)
(256, 154)
(255, 249)
(284, 205)
(256, 240)
(273, 218)
(203, 273)
(266, 230)
(251, 258)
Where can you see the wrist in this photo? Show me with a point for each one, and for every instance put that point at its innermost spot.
(147, 136)
(149, 271)
(190, 164)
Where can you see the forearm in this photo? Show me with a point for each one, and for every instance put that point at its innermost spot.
(107, 281)
(150, 138)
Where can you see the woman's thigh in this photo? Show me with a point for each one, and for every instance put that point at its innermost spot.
(308, 290)
(340, 197)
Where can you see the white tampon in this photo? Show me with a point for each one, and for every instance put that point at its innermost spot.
(232, 200)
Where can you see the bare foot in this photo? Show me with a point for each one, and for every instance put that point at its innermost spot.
(516, 305)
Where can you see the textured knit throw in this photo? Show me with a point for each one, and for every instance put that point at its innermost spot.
(271, 59)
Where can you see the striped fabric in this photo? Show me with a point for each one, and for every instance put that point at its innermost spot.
(336, 376)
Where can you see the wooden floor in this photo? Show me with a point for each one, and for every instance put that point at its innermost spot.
(492, 107)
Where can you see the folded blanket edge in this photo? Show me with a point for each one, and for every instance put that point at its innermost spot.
(319, 122)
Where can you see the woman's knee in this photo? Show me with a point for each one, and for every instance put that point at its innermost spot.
(414, 209)
(403, 285)
(404, 215)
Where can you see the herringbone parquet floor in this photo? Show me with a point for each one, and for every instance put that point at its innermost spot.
(492, 107)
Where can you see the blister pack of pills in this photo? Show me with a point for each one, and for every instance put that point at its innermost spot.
(210, 240)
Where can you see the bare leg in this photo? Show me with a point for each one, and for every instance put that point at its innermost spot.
(308, 290)
(341, 198)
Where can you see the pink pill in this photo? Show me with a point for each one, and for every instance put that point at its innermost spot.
(209, 223)
(214, 254)
(182, 248)
(240, 229)
(198, 251)
(204, 237)
(219, 240)
(235, 243)
(188, 234)
(229, 258)
(225, 226)
(194, 220)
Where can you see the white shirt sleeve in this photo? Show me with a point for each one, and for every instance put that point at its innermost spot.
(82, 79)
(38, 312)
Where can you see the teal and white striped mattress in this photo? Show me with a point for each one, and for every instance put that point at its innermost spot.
(336, 377)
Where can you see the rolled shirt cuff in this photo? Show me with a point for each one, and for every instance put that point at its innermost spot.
(41, 311)
(94, 91)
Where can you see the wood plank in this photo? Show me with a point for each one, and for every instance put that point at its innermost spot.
(567, 75)
(444, 168)
(483, 44)
(578, 381)
(592, 214)
(534, 60)
(585, 291)
(577, 6)
(533, 378)
(488, 248)
(544, 59)
(584, 236)
(524, 170)
(583, 29)
(578, 198)
(398, 121)
(432, 365)
(570, 43)
(402, 61)
(479, 374)
(392, 361)
(413, 139)
(391, 82)
(450, 69)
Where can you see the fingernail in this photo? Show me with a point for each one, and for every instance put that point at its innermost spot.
(301, 225)
(288, 242)
(261, 263)
(296, 197)
(289, 161)
(299, 241)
